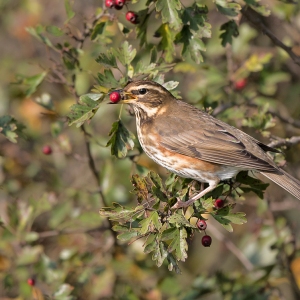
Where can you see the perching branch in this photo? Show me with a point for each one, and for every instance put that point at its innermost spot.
(294, 140)
(256, 20)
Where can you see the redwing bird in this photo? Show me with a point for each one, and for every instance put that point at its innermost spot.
(194, 144)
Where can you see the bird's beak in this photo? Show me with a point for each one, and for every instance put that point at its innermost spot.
(127, 97)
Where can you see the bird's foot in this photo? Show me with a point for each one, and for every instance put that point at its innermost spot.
(182, 204)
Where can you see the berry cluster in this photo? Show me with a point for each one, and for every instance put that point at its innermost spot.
(118, 4)
(201, 224)
(206, 240)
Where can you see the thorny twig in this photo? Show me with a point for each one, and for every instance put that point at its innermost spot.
(256, 20)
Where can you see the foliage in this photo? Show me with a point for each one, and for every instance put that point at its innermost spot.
(49, 226)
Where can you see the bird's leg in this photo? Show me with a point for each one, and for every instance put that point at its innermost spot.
(180, 204)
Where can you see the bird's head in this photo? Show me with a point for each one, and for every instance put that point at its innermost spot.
(148, 96)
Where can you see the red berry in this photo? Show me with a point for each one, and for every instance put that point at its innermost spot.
(120, 3)
(206, 241)
(219, 203)
(131, 17)
(110, 3)
(114, 97)
(31, 281)
(240, 84)
(201, 224)
(47, 150)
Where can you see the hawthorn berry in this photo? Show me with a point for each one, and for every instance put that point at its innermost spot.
(120, 3)
(206, 241)
(219, 203)
(31, 281)
(131, 17)
(114, 97)
(110, 3)
(240, 84)
(201, 224)
(47, 150)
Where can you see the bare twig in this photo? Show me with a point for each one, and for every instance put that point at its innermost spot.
(256, 20)
(294, 140)
(288, 120)
(231, 247)
(219, 109)
(51, 233)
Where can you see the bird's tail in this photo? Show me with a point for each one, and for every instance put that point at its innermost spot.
(286, 181)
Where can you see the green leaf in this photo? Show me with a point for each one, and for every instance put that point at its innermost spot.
(54, 30)
(107, 79)
(98, 30)
(224, 222)
(160, 253)
(11, 128)
(108, 60)
(151, 243)
(121, 140)
(150, 223)
(192, 45)
(166, 44)
(179, 220)
(169, 12)
(125, 54)
(228, 8)
(37, 33)
(237, 218)
(32, 82)
(261, 9)
(178, 242)
(84, 110)
(194, 17)
(141, 28)
(126, 236)
(69, 11)
(230, 30)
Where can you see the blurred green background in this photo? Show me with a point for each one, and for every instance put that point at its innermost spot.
(51, 229)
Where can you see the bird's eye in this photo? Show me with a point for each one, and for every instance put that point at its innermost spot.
(143, 91)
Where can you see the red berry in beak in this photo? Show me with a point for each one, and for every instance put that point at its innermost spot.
(114, 97)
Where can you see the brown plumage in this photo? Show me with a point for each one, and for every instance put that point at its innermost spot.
(194, 144)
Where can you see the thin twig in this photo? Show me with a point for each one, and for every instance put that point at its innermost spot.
(294, 140)
(231, 247)
(256, 20)
(51, 233)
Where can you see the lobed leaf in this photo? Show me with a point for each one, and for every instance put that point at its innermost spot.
(125, 54)
(230, 30)
(121, 140)
(169, 12)
(11, 128)
(84, 110)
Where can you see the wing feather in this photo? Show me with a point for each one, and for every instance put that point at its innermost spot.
(215, 142)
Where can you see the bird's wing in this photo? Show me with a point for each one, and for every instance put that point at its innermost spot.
(206, 138)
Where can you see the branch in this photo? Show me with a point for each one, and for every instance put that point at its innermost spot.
(51, 233)
(231, 247)
(256, 20)
(288, 120)
(294, 140)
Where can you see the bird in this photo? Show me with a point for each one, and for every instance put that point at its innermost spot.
(193, 144)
